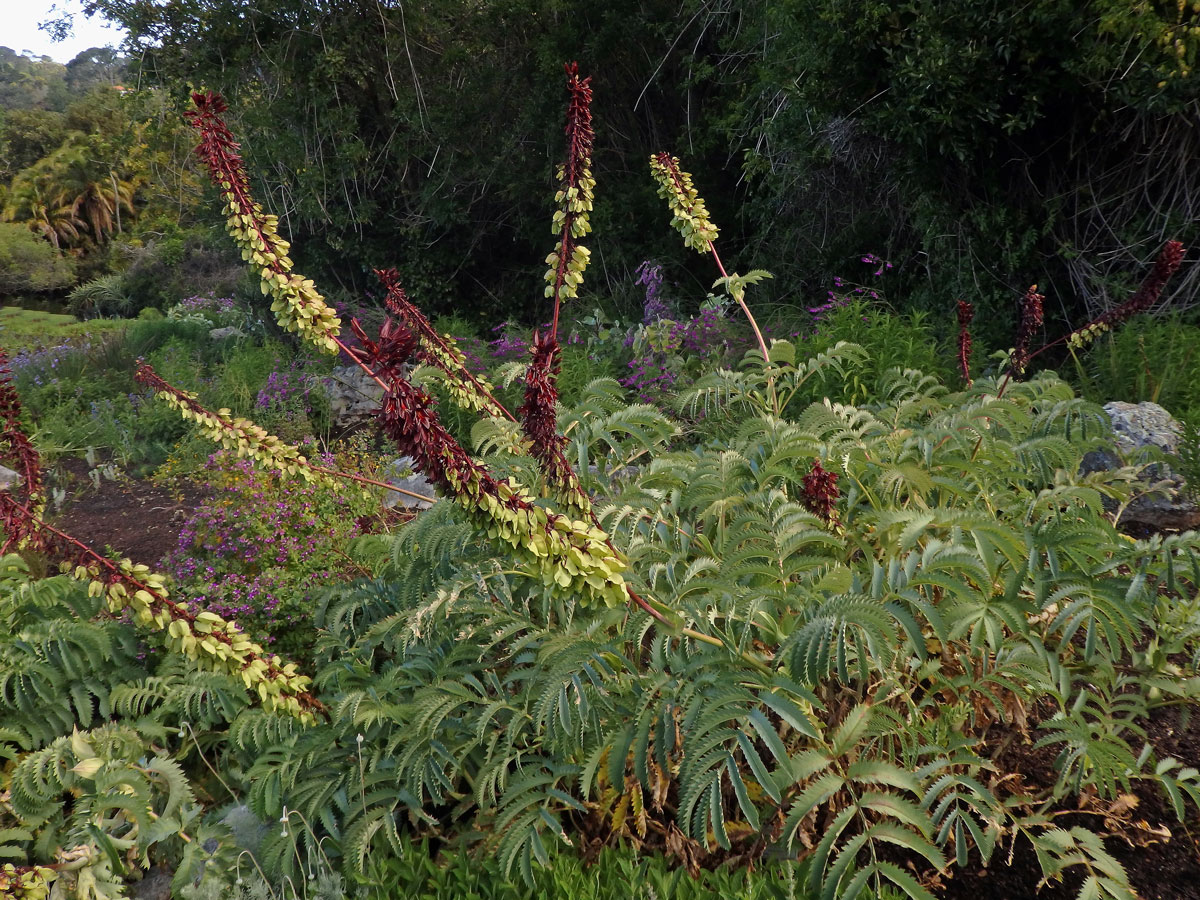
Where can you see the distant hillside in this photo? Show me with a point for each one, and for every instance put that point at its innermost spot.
(30, 82)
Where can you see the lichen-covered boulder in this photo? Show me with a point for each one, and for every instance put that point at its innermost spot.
(1165, 502)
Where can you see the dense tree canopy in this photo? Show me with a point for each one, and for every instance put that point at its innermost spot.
(982, 148)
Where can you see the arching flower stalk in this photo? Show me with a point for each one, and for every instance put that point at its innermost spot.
(247, 439)
(966, 313)
(297, 305)
(17, 452)
(468, 391)
(539, 413)
(205, 637)
(574, 198)
(689, 216)
(565, 555)
(1146, 296)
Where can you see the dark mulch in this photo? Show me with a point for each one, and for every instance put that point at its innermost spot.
(1160, 868)
(136, 518)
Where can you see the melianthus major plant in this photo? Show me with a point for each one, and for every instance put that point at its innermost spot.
(793, 633)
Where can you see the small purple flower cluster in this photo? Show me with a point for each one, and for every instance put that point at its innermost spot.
(655, 307)
(206, 305)
(283, 387)
(681, 349)
(260, 546)
(882, 265)
(42, 361)
(473, 350)
(513, 342)
(844, 292)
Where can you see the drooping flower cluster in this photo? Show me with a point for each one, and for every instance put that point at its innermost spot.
(25, 882)
(204, 637)
(247, 439)
(689, 216)
(240, 435)
(1168, 261)
(820, 492)
(562, 553)
(295, 301)
(1032, 316)
(468, 391)
(539, 421)
(574, 198)
(966, 313)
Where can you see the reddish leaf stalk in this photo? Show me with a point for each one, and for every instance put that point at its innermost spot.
(966, 313)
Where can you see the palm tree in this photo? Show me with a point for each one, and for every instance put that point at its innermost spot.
(71, 198)
(53, 217)
(100, 202)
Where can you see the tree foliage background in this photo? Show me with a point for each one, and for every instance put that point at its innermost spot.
(981, 146)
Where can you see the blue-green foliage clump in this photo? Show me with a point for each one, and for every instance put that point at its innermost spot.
(828, 697)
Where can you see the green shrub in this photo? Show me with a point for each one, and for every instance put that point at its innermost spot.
(890, 340)
(29, 264)
(1151, 358)
(104, 296)
(615, 874)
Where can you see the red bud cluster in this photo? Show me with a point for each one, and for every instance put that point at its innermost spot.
(821, 492)
(17, 452)
(539, 421)
(580, 135)
(1032, 316)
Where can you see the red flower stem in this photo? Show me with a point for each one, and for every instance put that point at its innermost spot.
(364, 480)
(762, 344)
(712, 248)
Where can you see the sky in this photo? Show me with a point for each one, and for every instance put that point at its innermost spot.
(19, 20)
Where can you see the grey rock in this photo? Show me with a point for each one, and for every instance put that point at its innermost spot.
(155, 885)
(402, 473)
(1164, 503)
(1099, 461)
(353, 395)
(229, 331)
(1138, 425)
(8, 478)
